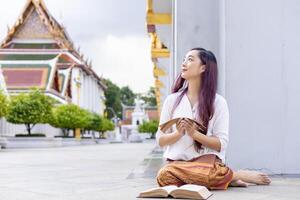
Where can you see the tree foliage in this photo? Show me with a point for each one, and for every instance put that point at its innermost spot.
(127, 96)
(113, 99)
(149, 127)
(69, 117)
(3, 104)
(150, 97)
(94, 122)
(106, 125)
(30, 109)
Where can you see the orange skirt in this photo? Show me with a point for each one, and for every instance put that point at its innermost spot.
(206, 170)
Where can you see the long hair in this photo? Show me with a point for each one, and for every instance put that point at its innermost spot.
(207, 92)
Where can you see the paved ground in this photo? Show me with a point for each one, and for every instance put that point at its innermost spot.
(105, 171)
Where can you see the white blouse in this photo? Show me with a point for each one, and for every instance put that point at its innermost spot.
(218, 126)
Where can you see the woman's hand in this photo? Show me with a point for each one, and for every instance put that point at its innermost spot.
(190, 127)
(180, 127)
(207, 141)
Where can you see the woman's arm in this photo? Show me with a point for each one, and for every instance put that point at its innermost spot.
(211, 142)
(171, 138)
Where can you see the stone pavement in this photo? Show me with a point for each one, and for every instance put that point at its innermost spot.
(104, 171)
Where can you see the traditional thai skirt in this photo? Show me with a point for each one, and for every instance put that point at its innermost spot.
(207, 170)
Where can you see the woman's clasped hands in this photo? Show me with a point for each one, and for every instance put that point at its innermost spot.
(185, 125)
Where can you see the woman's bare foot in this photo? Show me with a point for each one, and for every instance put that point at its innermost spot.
(238, 183)
(253, 177)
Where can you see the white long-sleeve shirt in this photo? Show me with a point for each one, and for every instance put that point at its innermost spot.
(218, 126)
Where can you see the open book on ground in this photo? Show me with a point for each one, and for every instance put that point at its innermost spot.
(165, 126)
(188, 191)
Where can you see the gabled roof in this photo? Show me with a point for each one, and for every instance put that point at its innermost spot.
(56, 30)
(58, 33)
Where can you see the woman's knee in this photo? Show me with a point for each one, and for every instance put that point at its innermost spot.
(163, 172)
(165, 177)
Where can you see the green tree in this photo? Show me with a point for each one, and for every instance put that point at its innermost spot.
(127, 96)
(30, 109)
(94, 122)
(149, 127)
(105, 125)
(113, 98)
(150, 97)
(3, 104)
(69, 117)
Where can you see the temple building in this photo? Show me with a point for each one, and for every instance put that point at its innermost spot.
(38, 53)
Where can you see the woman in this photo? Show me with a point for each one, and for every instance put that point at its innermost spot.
(198, 157)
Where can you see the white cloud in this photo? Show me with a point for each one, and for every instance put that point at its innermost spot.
(124, 60)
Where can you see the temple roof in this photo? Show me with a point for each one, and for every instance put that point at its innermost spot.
(41, 45)
(27, 56)
(36, 9)
(26, 76)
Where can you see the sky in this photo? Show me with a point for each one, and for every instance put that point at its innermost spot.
(110, 33)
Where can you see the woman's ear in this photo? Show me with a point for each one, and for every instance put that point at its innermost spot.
(202, 68)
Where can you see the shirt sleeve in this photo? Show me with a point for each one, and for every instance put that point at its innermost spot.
(165, 116)
(221, 124)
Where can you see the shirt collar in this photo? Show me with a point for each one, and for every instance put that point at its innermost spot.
(194, 107)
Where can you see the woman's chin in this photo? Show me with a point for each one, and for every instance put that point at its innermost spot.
(183, 75)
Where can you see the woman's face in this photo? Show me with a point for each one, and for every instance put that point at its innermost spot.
(192, 66)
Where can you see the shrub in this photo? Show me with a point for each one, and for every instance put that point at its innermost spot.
(30, 109)
(105, 125)
(3, 104)
(69, 117)
(149, 127)
(94, 122)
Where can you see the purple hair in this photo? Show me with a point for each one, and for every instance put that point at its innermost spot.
(207, 92)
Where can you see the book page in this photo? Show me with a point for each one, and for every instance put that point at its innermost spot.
(192, 187)
(154, 192)
(191, 191)
(158, 191)
(170, 188)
